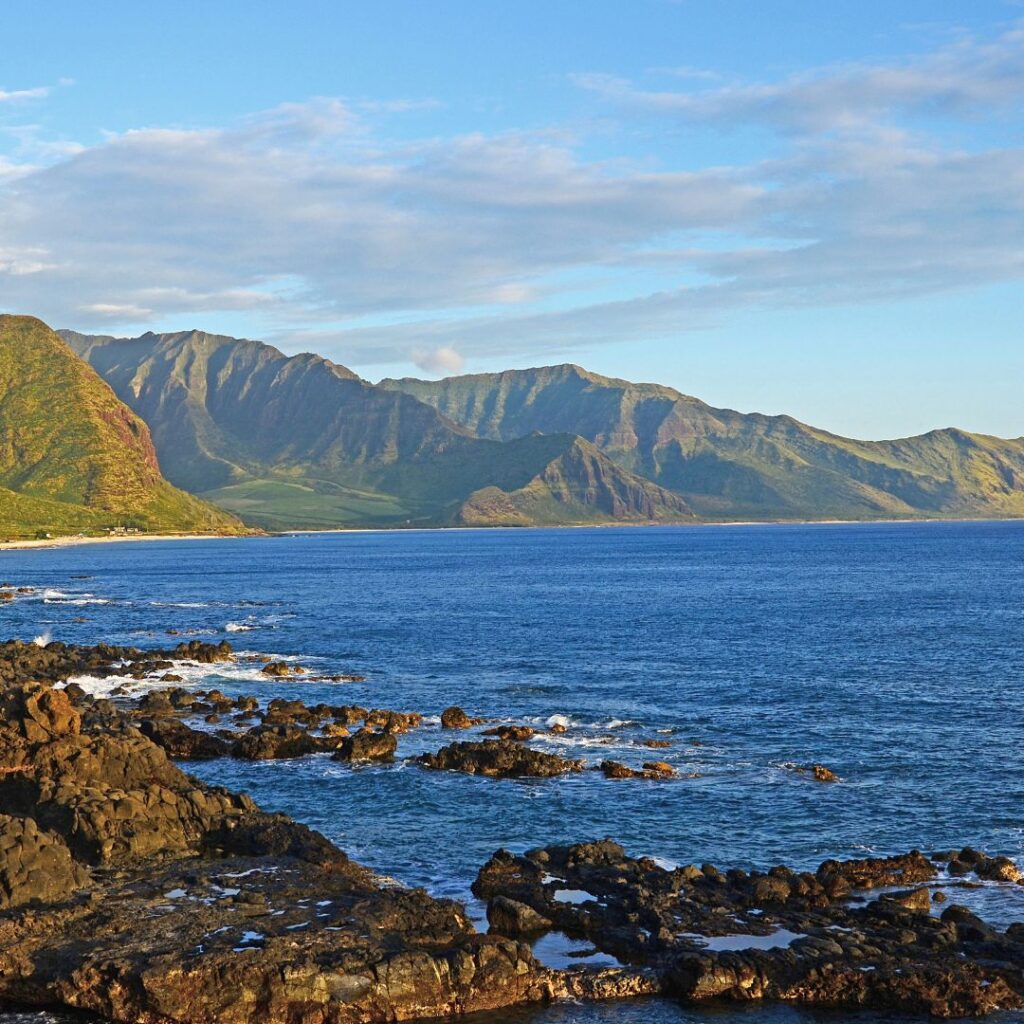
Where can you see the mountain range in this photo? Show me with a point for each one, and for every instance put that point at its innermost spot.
(72, 456)
(731, 465)
(287, 441)
(88, 423)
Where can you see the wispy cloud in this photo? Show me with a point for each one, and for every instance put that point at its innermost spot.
(314, 224)
(19, 95)
(968, 77)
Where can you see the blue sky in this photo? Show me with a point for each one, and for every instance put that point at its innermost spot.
(790, 207)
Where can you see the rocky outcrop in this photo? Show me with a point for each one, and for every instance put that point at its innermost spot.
(132, 891)
(35, 865)
(499, 758)
(182, 742)
(809, 937)
(515, 919)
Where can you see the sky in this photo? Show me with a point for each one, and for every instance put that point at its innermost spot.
(777, 206)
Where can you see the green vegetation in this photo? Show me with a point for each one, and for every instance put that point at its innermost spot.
(72, 457)
(280, 504)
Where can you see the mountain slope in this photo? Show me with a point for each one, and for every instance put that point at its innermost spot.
(732, 465)
(73, 457)
(300, 441)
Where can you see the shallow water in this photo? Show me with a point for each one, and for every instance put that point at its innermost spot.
(891, 653)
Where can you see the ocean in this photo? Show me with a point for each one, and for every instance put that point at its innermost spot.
(892, 653)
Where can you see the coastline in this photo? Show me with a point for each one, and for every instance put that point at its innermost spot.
(76, 541)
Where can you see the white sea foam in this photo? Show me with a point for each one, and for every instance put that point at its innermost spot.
(239, 627)
(43, 639)
(52, 596)
(96, 686)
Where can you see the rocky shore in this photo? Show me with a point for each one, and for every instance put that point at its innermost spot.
(855, 934)
(131, 890)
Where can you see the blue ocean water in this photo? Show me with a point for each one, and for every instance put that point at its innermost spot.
(893, 653)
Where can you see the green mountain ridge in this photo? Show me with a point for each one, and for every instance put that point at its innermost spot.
(731, 465)
(74, 458)
(291, 441)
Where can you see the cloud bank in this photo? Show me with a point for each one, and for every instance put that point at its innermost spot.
(308, 221)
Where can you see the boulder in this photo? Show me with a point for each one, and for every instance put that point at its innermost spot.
(514, 919)
(455, 718)
(651, 770)
(515, 733)
(367, 746)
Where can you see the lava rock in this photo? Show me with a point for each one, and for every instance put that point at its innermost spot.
(499, 758)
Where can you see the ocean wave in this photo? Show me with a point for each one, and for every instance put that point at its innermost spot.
(104, 686)
(53, 596)
(239, 627)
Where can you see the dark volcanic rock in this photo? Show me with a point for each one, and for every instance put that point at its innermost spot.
(455, 718)
(270, 742)
(367, 746)
(499, 758)
(201, 908)
(516, 733)
(834, 951)
(509, 917)
(651, 770)
(182, 742)
(35, 865)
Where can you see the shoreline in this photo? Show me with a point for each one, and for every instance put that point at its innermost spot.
(77, 541)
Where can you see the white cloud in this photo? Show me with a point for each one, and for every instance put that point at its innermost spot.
(17, 95)
(438, 362)
(117, 311)
(324, 233)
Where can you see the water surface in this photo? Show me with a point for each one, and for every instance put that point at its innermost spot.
(890, 652)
